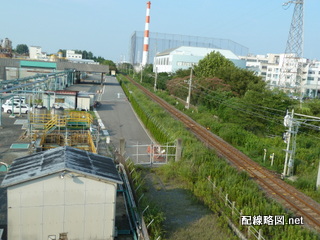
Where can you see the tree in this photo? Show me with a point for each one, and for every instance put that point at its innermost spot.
(240, 80)
(90, 55)
(22, 49)
(211, 64)
(64, 52)
(110, 63)
(260, 112)
(85, 55)
(181, 73)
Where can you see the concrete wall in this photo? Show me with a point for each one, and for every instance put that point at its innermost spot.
(69, 101)
(82, 207)
(14, 73)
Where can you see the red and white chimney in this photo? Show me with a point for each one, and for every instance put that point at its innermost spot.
(146, 37)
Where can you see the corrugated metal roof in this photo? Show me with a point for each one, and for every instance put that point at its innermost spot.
(83, 67)
(61, 159)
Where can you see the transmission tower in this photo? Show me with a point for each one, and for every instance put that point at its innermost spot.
(291, 70)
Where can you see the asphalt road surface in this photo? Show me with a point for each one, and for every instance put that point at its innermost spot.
(118, 117)
(121, 122)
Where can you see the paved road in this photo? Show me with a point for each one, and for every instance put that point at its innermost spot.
(120, 119)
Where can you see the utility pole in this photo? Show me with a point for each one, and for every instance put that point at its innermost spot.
(141, 73)
(288, 122)
(189, 92)
(318, 178)
(155, 79)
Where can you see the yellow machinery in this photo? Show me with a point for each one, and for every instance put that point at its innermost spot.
(67, 128)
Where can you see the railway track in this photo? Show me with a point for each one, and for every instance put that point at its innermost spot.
(291, 198)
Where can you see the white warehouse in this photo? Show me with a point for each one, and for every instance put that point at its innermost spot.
(184, 57)
(62, 193)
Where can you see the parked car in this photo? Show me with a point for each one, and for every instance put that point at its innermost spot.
(16, 99)
(7, 105)
(23, 108)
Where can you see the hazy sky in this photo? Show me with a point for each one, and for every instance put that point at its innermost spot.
(104, 27)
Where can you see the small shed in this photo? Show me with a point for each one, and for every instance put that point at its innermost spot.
(85, 100)
(60, 98)
(62, 191)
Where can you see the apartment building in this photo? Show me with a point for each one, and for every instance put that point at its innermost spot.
(298, 76)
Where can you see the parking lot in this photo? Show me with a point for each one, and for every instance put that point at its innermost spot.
(11, 132)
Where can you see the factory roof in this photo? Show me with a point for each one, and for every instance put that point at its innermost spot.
(197, 51)
(61, 159)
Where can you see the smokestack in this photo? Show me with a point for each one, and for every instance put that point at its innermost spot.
(146, 37)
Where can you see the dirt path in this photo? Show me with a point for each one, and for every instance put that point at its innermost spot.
(185, 217)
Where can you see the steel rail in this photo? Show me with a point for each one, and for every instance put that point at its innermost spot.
(295, 200)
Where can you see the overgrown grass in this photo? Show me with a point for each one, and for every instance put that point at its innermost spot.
(198, 163)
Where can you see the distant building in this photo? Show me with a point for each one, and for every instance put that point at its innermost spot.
(35, 52)
(83, 61)
(269, 68)
(184, 57)
(62, 193)
(70, 54)
(6, 43)
(5, 48)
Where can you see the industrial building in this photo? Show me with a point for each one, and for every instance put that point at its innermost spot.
(6, 48)
(63, 143)
(160, 42)
(71, 54)
(35, 52)
(11, 69)
(62, 192)
(184, 57)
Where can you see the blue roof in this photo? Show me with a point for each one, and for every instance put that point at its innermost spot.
(58, 160)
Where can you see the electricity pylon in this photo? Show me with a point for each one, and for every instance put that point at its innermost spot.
(291, 70)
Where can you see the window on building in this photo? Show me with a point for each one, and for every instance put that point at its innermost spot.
(59, 100)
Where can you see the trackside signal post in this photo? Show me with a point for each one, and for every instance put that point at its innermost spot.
(289, 136)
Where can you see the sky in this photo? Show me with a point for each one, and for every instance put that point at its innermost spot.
(104, 27)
